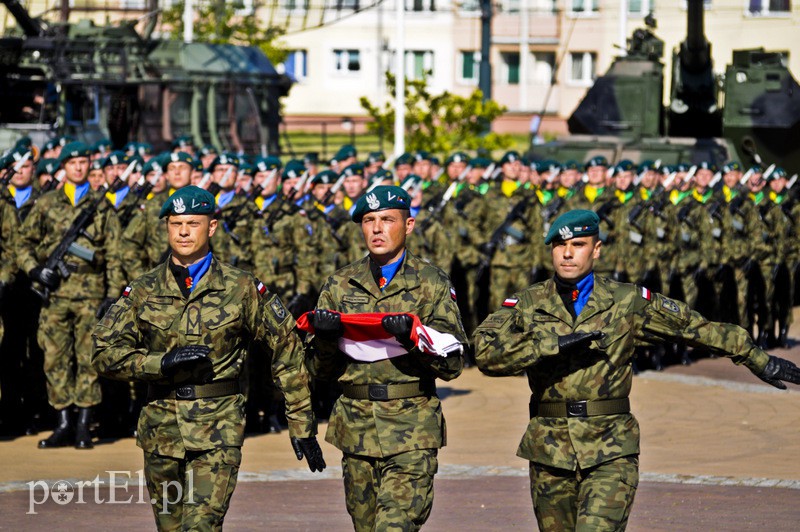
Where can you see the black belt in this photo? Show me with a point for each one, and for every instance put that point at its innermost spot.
(189, 392)
(387, 392)
(580, 408)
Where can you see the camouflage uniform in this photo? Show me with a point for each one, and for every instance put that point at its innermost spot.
(227, 309)
(390, 447)
(584, 468)
(65, 324)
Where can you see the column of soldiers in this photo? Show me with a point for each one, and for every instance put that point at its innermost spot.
(721, 239)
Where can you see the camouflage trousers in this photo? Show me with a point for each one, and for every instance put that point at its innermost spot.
(65, 333)
(599, 498)
(192, 493)
(394, 493)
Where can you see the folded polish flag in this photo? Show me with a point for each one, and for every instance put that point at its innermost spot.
(365, 339)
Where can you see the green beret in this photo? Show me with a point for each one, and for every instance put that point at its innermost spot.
(732, 166)
(116, 157)
(681, 167)
(421, 155)
(457, 157)
(16, 155)
(405, 158)
(326, 177)
(624, 166)
(197, 165)
(152, 165)
(143, 148)
(381, 175)
(97, 164)
(354, 169)
(208, 149)
(188, 200)
(269, 163)
(376, 157)
(572, 164)
(247, 169)
(101, 146)
(345, 152)
(480, 162)
(757, 169)
(571, 224)
(74, 149)
(598, 160)
(382, 198)
(707, 165)
(411, 180)
(777, 173)
(47, 166)
(294, 168)
(66, 139)
(551, 165)
(645, 166)
(311, 157)
(50, 144)
(183, 142)
(181, 157)
(510, 157)
(23, 142)
(224, 158)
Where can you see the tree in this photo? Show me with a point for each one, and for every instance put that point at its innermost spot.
(439, 123)
(217, 22)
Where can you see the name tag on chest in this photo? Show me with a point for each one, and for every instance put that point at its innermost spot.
(356, 300)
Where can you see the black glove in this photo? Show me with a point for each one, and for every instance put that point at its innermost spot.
(46, 276)
(189, 363)
(309, 448)
(399, 326)
(327, 324)
(299, 304)
(573, 342)
(104, 306)
(487, 248)
(780, 369)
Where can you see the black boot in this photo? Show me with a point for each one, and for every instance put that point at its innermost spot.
(83, 437)
(62, 436)
(783, 337)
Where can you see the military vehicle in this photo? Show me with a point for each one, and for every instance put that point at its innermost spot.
(93, 81)
(622, 115)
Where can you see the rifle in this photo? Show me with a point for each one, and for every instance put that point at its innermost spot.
(555, 205)
(605, 210)
(126, 214)
(16, 168)
(334, 189)
(436, 205)
(496, 240)
(214, 188)
(53, 183)
(279, 211)
(67, 245)
(736, 203)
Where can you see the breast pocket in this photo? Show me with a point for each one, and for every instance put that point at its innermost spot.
(223, 326)
(156, 318)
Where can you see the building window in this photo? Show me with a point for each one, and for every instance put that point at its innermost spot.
(510, 6)
(583, 6)
(420, 5)
(582, 66)
(296, 65)
(346, 60)
(469, 6)
(419, 63)
(769, 7)
(343, 4)
(510, 68)
(470, 67)
(542, 68)
(641, 7)
(293, 5)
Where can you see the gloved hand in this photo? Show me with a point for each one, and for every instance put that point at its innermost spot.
(46, 276)
(780, 369)
(573, 342)
(189, 363)
(327, 324)
(399, 326)
(299, 304)
(104, 306)
(309, 448)
(487, 248)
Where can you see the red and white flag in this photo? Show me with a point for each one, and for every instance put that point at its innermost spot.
(364, 338)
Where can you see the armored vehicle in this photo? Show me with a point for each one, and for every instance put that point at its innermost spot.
(622, 116)
(93, 81)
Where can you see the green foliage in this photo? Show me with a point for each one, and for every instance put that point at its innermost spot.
(217, 22)
(439, 123)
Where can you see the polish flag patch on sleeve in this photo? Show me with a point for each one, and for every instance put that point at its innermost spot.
(126, 292)
(647, 294)
(452, 293)
(261, 288)
(510, 302)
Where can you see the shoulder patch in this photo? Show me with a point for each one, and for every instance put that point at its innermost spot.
(278, 309)
(452, 293)
(669, 305)
(260, 287)
(126, 292)
(646, 294)
(510, 302)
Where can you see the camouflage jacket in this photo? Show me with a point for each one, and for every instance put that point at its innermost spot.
(524, 338)
(45, 226)
(385, 428)
(225, 312)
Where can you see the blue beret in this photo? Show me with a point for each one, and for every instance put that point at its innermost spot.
(188, 200)
(382, 198)
(571, 224)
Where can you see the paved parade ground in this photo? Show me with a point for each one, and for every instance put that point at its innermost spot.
(720, 451)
